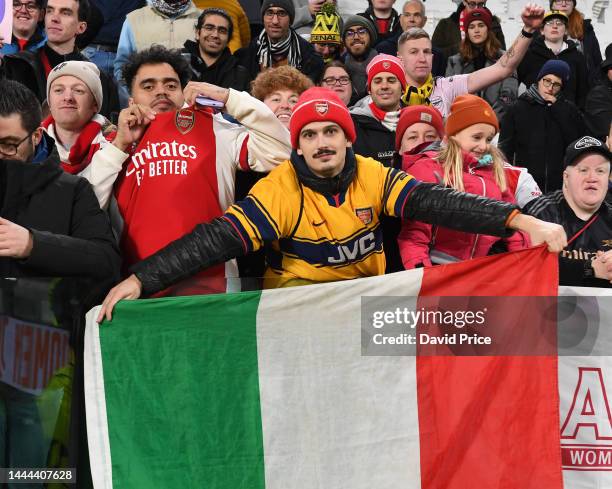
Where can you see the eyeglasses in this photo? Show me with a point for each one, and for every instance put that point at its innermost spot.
(10, 149)
(281, 14)
(332, 80)
(563, 2)
(549, 83)
(31, 7)
(362, 31)
(557, 22)
(476, 4)
(212, 28)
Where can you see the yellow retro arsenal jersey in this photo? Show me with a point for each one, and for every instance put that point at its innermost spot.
(315, 238)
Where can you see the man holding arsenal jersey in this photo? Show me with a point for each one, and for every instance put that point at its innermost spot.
(171, 167)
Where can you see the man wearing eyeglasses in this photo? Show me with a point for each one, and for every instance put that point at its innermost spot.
(449, 31)
(358, 36)
(27, 33)
(51, 223)
(278, 44)
(209, 55)
(553, 44)
(537, 128)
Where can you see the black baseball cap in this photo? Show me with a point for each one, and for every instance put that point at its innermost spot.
(585, 145)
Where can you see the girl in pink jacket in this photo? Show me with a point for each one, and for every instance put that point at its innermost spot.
(467, 162)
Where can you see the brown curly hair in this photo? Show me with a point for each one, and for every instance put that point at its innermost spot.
(281, 78)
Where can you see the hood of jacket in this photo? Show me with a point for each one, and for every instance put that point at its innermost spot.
(539, 47)
(26, 179)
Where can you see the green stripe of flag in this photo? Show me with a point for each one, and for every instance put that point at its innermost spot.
(216, 430)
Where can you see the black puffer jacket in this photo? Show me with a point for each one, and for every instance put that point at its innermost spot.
(218, 241)
(598, 109)
(534, 136)
(72, 235)
(376, 141)
(538, 53)
(576, 257)
(592, 53)
(225, 72)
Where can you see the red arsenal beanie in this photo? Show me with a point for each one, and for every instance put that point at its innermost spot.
(386, 63)
(418, 113)
(320, 104)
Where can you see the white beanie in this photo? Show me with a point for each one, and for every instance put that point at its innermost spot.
(85, 71)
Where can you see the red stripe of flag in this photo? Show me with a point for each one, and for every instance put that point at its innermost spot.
(490, 422)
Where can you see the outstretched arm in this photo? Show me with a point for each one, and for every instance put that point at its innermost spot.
(532, 16)
(207, 245)
(471, 213)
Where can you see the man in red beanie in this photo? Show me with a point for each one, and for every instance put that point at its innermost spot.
(376, 119)
(375, 122)
(319, 213)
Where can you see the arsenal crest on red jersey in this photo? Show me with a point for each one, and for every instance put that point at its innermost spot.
(321, 108)
(364, 214)
(184, 120)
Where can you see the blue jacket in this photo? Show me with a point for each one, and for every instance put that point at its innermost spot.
(114, 12)
(37, 41)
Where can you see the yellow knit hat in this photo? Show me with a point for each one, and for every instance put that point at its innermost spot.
(327, 26)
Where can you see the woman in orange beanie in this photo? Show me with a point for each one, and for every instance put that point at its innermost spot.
(467, 162)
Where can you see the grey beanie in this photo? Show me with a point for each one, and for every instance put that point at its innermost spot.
(286, 5)
(358, 20)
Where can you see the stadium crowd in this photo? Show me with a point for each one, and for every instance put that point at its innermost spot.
(156, 141)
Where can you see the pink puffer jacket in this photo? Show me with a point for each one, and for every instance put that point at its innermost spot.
(422, 244)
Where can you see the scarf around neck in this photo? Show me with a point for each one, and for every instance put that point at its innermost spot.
(288, 48)
(532, 92)
(326, 186)
(388, 119)
(419, 95)
(90, 139)
(171, 8)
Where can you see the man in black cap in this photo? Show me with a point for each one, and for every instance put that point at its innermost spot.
(581, 209)
(278, 44)
(358, 36)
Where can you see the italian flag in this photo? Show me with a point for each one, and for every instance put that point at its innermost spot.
(273, 390)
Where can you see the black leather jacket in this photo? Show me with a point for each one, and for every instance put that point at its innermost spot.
(218, 241)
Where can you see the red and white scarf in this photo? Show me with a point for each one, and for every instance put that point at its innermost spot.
(91, 138)
(387, 119)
